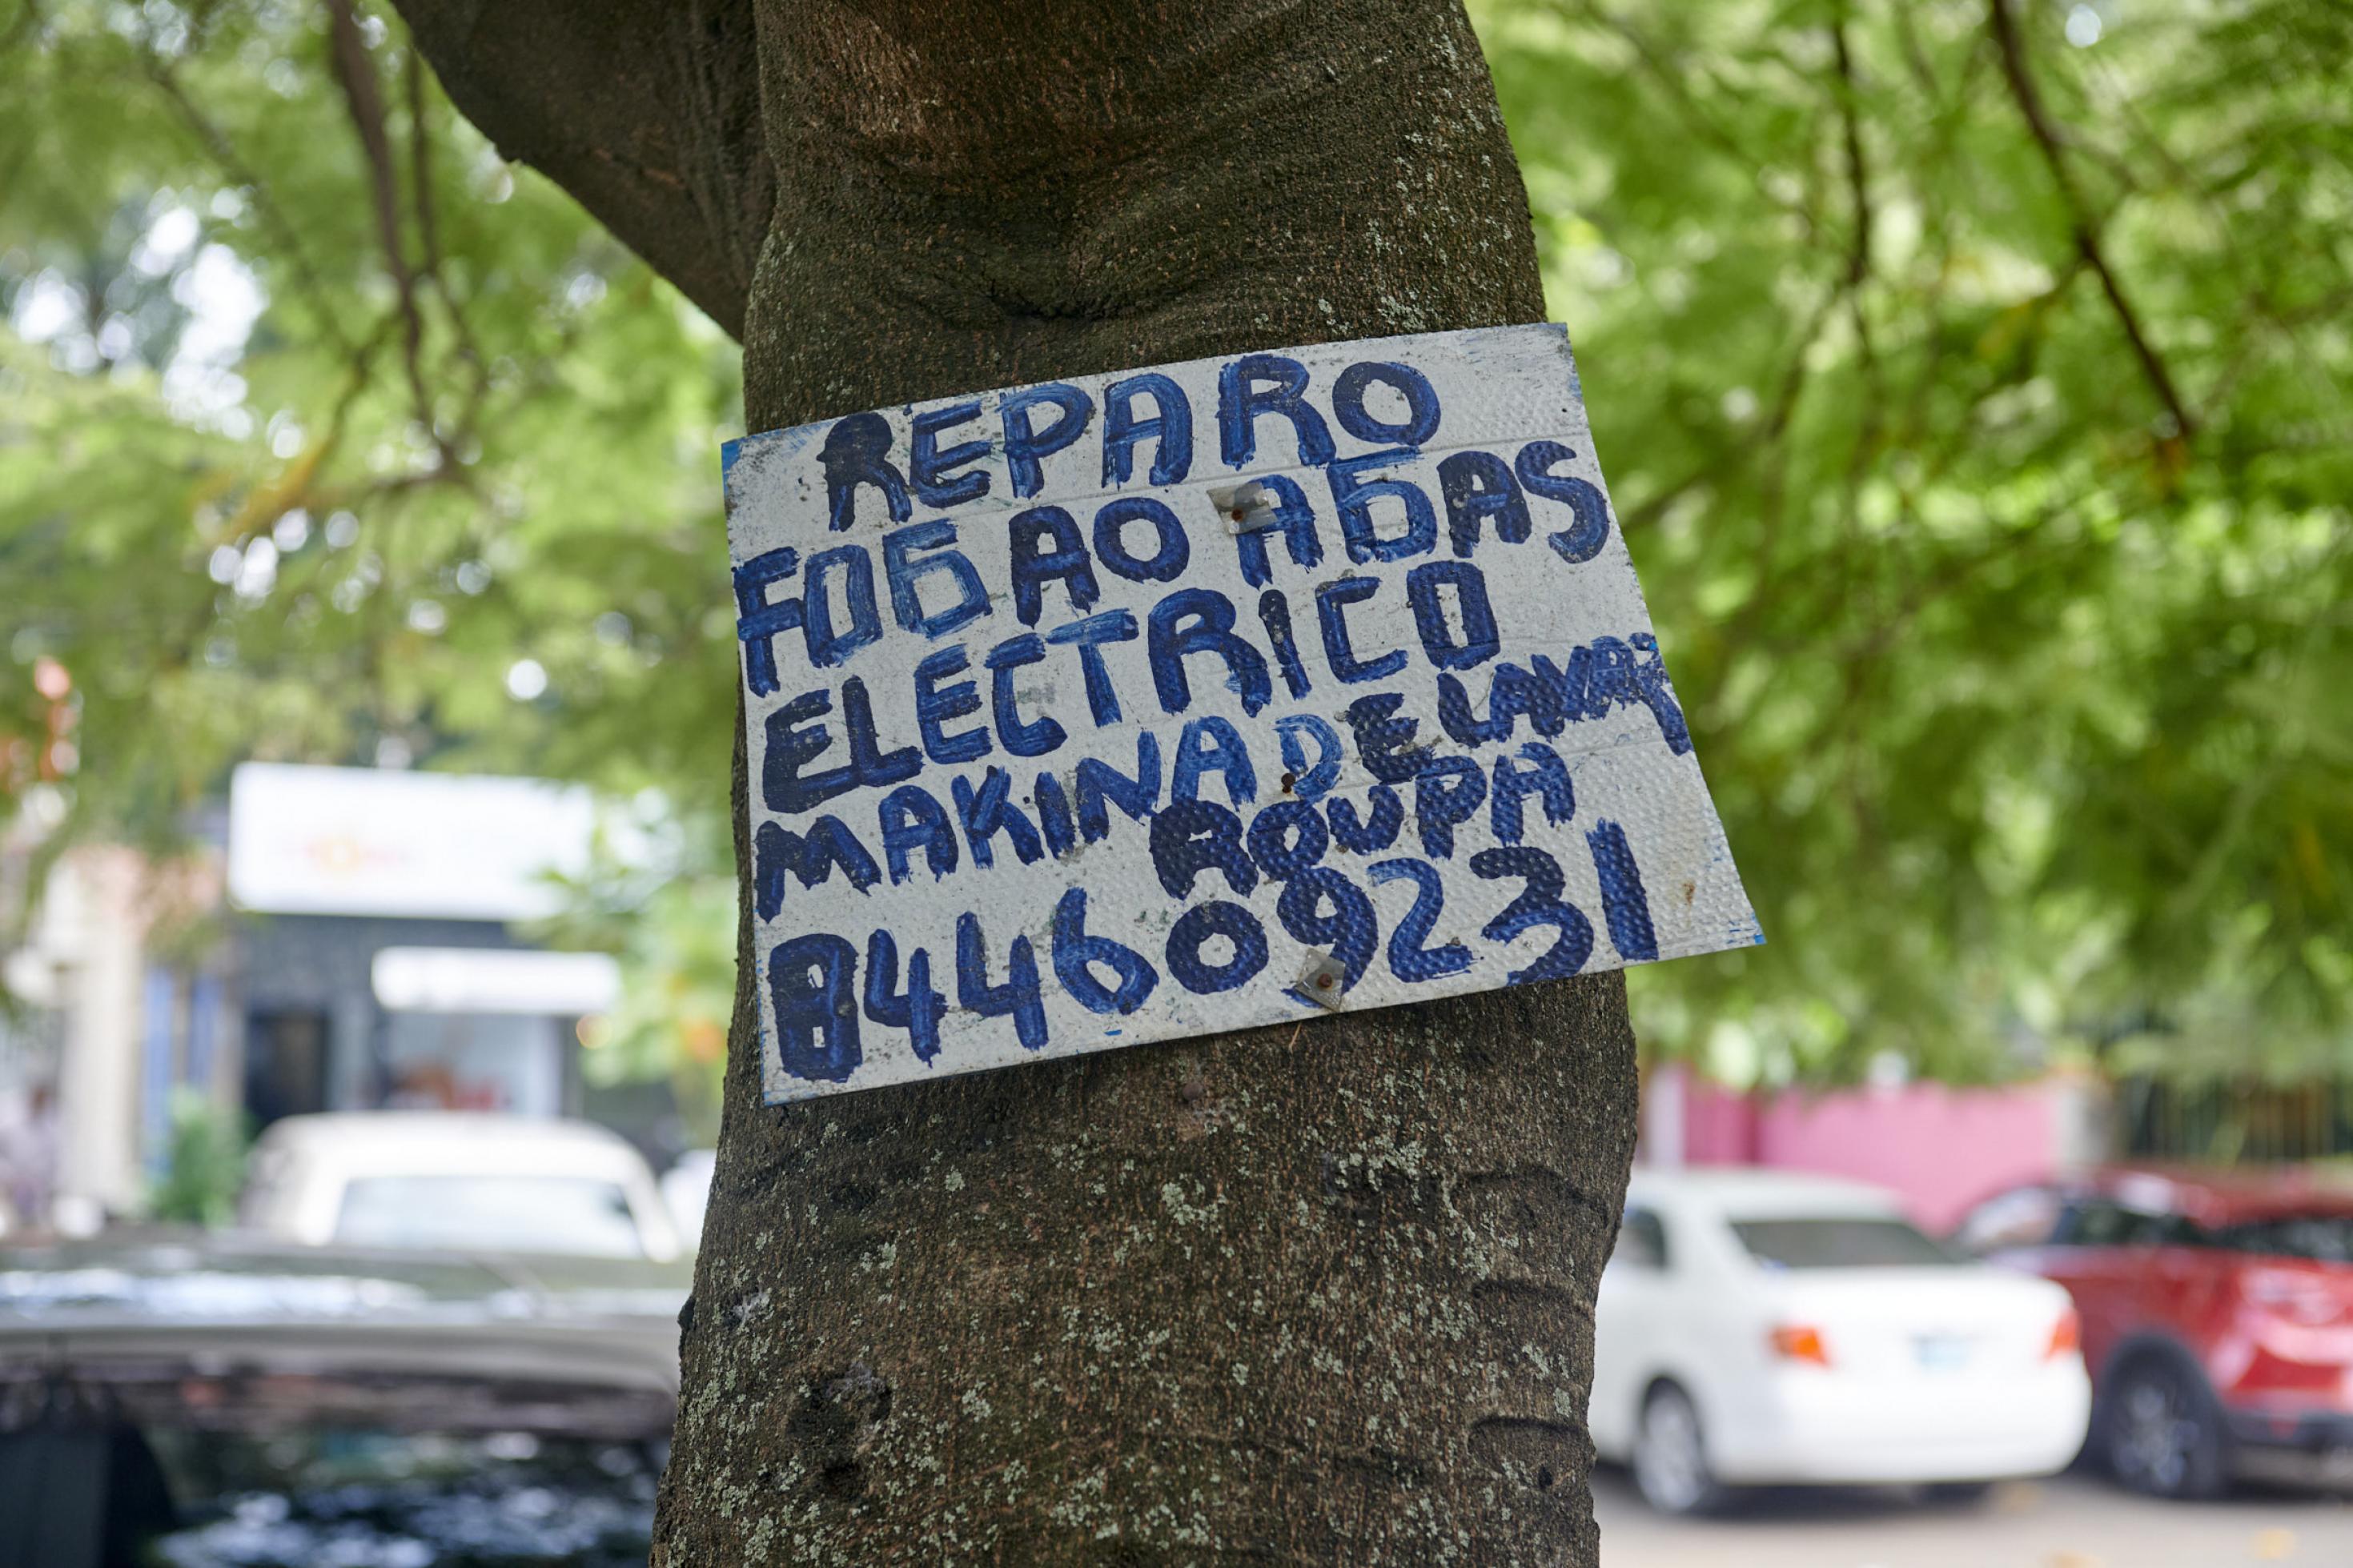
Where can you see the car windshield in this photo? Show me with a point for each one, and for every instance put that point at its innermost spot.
(2315, 1237)
(173, 1468)
(1839, 1241)
(504, 1213)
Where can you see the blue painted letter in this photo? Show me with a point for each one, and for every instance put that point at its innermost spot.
(1241, 399)
(1032, 739)
(1354, 494)
(906, 569)
(1165, 564)
(1583, 539)
(757, 622)
(1025, 446)
(1331, 600)
(826, 646)
(1481, 640)
(809, 988)
(1201, 620)
(935, 704)
(1075, 952)
(1475, 486)
(858, 452)
(1420, 421)
(935, 486)
(1035, 565)
(1088, 637)
(1171, 424)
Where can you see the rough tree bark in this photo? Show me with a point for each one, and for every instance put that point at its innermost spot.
(1315, 1294)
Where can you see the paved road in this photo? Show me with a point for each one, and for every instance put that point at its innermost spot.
(2071, 1523)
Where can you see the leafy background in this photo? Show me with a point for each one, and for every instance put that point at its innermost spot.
(1971, 376)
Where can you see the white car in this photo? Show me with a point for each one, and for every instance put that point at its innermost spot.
(458, 1181)
(1764, 1328)
(686, 1187)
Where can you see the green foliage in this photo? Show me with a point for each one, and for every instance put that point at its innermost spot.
(488, 435)
(206, 1163)
(669, 914)
(2018, 658)
(1975, 400)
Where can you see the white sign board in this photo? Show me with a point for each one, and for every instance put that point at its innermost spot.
(375, 841)
(1196, 699)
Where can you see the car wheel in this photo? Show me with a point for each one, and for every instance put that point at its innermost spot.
(1670, 1460)
(2159, 1431)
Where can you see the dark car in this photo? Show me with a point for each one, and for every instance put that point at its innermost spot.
(199, 1404)
(2217, 1317)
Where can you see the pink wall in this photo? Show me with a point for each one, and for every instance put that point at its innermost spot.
(1941, 1148)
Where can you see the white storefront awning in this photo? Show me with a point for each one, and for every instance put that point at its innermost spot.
(495, 979)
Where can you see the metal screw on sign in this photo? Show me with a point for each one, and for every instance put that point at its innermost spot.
(1247, 508)
(1324, 980)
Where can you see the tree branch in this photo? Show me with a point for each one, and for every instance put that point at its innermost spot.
(429, 233)
(290, 238)
(1858, 173)
(420, 163)
(2087, 229)
(27, 19)
(1670, 76)
(1858, 270)
(649, 115)
(355, 73)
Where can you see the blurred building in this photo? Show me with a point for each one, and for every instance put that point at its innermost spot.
(351, 939)
(104, 1020)
(381, 964)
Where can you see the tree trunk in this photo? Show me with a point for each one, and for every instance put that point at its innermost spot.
(1320, 1293)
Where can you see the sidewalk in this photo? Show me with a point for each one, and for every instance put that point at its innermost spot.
(2071, 1523)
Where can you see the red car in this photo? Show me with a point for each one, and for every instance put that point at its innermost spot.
(2217, 1315)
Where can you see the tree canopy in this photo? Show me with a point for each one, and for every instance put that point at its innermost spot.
(1971, 376)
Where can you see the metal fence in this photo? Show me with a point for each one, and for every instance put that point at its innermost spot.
(2231, 1122)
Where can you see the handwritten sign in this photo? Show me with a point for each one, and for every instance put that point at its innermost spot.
(1199, 698)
